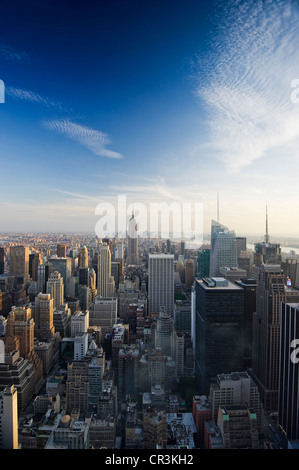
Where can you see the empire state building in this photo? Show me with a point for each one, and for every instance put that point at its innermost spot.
(132, 241)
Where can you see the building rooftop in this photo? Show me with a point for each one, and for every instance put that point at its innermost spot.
(218, 283)
(182, 428)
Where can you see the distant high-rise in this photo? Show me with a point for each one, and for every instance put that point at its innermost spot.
(44, 317)
(19, 262)
(55, 288)
(36, 261)
(219, 330)
(266, 252)
(161, 283)
(189, 273)
(43, 273)
(83, 257)
(120, 250)
(64, 267)
(241, 245)
(288, 401)
(2, 260)
(223, 248)
(105, 282)
(203, 264)
(84, 277)
(132, 241)
(61, 250)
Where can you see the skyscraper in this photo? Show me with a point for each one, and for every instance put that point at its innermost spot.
(19, 262)
(249, 286)
(223, 248)
(20, 323)
(132, 241)
(83, 257)
(219, 330)
(9, 418)
(64, 267)
(55, 288)
(241, 245)
(189, 273)
(43, 273)
(164, 333)
(266, 332)
(288, 401)
(20, 337)
(203, 264)
(266, 252)
(44, 317)
(2, 260)
(106, 284)
(161, 283)
(37, 261)
(61, 250)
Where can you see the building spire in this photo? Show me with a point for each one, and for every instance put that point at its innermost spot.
(267, 233)
(218, 206)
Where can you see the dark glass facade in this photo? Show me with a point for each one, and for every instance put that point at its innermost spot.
(288, 401)
(219, 332)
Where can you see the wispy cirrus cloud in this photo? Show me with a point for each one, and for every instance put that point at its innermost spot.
(33, 97)
(245, 82)
(10, 54)
(94, 140)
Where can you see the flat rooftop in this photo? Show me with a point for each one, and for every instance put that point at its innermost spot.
(218, 283)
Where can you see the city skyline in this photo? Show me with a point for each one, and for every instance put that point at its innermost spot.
(160, 102)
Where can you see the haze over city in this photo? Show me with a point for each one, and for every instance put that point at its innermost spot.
(159, 101)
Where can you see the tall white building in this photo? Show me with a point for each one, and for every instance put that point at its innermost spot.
(223, 248)
(161, 283)
(106, 284)
(9, 418)
(55, 288)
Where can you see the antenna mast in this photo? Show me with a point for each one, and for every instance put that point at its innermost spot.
(267, 233)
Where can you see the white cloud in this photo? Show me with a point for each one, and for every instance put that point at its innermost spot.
(32, 97)
(245, 83)
(8, 53)
(96, 141)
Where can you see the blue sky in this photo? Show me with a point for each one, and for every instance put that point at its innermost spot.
(158, 100)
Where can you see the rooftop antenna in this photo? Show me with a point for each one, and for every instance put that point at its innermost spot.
(267, 233)
(218, 206)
